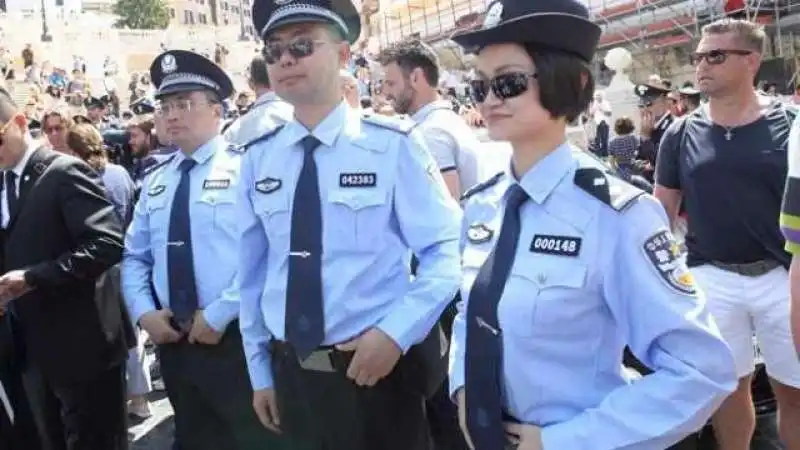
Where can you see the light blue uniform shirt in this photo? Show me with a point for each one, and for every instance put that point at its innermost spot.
(268, 112)
(382, 195)
(588, 279)
(214, 235)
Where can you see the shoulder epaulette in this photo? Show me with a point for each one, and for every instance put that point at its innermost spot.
(234, 148)
(264, 137)
(227, 125)
(609, 189)
(158, 165)
(482, 186)
(403, 126)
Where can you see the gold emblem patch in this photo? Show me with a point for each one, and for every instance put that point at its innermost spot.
(665, 256)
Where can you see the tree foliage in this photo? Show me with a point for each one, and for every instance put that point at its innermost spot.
(142, 14)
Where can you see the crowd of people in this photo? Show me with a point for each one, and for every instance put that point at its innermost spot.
(323, 261)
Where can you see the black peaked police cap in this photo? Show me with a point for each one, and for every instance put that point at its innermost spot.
(177, 71)
(269, 15)
(96, 102)
(562, 25)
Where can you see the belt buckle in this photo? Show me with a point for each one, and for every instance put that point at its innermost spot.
(318, 361)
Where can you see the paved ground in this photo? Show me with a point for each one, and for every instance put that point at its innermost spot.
(156, 432)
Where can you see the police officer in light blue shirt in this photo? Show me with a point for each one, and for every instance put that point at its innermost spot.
(331, 207)
(179, 262)
(563, 265)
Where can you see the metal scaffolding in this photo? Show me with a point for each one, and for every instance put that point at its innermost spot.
(651, 29)
(431, 20)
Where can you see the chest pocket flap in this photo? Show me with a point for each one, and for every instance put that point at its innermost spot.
(218, 197)
(358, 199)
(571, 276)
(157, 202)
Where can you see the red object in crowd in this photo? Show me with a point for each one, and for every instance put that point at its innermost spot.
(732, 6)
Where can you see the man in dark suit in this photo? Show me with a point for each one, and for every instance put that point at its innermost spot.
(60, 233)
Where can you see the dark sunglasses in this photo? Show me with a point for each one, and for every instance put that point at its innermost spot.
(504, 86)
(716, 57)
(299, 48)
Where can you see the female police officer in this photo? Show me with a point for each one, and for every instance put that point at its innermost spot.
(564, 266)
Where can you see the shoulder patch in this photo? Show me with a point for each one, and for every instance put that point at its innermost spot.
(402, 126)
(609, 189)
(158, 165)
(480, 187)
(263, 138)
(664, 254)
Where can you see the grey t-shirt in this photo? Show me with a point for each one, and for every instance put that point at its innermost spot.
(450, 140)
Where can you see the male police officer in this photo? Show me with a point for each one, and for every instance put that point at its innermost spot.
(96, 110)
(330, 208)
(656, 118)
(178, 273)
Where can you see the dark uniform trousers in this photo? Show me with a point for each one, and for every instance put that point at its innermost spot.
(23, 430)
(324, 410)
(210, 392)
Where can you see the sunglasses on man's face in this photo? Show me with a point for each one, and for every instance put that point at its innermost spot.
(300, 47)
(504, 86)
(716, 57)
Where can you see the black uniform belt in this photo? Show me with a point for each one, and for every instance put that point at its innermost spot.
(323, 359)
(753, 269)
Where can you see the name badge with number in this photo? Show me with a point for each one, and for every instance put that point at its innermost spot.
(363, 179)
(556, 245)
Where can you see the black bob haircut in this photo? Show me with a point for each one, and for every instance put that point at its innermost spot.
(566, 84)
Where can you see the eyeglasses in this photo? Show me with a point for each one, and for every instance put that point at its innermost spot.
(716, 57)
(181, 106)
(300, 47)
(504, 86)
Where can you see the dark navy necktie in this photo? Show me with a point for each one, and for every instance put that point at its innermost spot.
(11, 193)
(484, 349)
(305, 322)
(180, 260)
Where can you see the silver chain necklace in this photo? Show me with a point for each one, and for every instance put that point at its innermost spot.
(728, 132)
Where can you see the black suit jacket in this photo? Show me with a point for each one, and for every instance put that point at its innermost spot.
(65, 234)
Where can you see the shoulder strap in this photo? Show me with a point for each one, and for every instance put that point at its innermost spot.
(609, 189)
(245, 147)
(482, 186)
(402, 126)
(789, 112)
(158, 165)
